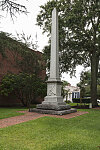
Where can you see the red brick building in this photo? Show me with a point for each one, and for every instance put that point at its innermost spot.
(9, 64)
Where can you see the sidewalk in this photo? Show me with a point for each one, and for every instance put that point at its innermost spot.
(31, 116)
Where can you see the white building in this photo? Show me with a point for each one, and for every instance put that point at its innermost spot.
(72, 92)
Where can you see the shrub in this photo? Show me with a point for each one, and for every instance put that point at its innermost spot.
(26, 87)
(83, 100)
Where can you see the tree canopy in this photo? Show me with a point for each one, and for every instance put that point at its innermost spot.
(79, 34)
(85, 83)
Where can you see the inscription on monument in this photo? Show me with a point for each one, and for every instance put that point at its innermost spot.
(51, 90)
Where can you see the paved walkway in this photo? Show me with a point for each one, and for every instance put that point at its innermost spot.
(31, 116)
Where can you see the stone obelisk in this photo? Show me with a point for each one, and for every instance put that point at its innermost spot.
(53, 102)
(54, 83)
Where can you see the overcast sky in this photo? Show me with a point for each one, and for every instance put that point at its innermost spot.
(27, 24)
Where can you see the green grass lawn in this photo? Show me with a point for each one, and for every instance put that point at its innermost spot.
(10, 112)
(49, 133)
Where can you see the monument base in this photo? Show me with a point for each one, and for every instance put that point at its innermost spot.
(53, 109)
(53, 104)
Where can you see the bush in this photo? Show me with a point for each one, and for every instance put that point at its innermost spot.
(68, 101)
(26, 87)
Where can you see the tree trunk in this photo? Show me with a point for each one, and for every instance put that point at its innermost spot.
(94, 68)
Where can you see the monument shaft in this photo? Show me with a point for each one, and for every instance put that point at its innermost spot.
(54, 62)
(54, 83)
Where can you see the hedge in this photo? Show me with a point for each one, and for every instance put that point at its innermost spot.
(83, 100)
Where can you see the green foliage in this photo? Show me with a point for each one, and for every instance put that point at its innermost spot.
(63, 91)
(85, 84)
(7, 41)
(98, 92)
(26, 87)
(87, 91)
(27, 40)
(65, 83)
(85, 78)
(26, 59)
(78, 21)
(46, 55)
(2, 44)
(79, 35)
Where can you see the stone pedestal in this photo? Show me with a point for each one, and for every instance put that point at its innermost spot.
(53, 102)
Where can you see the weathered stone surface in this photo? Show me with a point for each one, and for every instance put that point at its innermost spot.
(54, 82)
(53, 107)
(54, 60)
(55, 100)
(53, 112)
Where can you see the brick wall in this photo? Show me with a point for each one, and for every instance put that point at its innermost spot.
(8, 65)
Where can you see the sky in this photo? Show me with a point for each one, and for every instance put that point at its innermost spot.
(27, 24)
